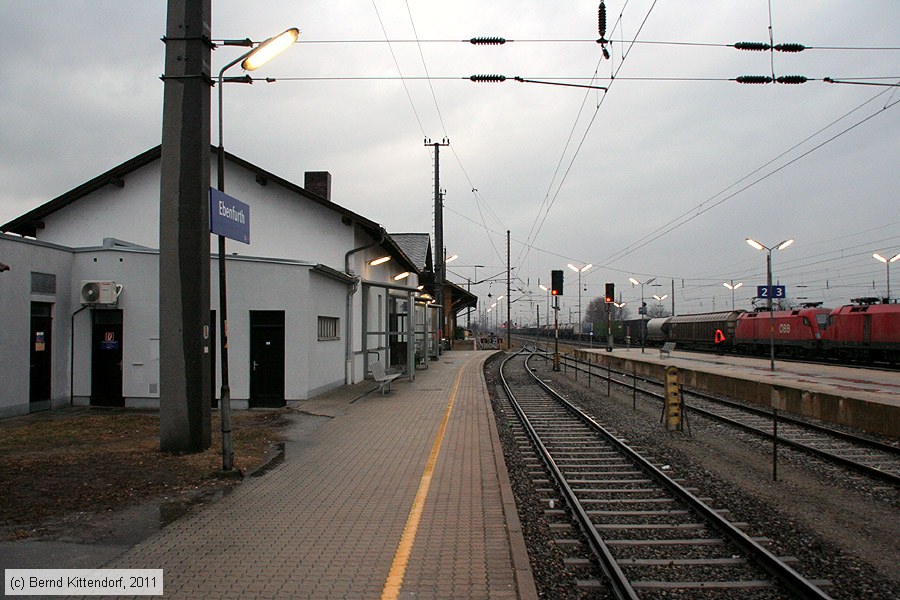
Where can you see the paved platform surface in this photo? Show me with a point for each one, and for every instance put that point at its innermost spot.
(879, 386)
(398, 496)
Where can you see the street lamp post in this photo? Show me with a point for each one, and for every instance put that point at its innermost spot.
(732, 286)
(579, 270)
(546, 289)
(250, 61)
(643, 309)
(887, 264)
(779, 246)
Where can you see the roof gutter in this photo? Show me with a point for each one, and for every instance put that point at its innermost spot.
(348, 353)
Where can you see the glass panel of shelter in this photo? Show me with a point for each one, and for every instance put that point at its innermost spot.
(385, 304)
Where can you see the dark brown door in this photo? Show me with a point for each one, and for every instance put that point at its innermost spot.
(106, 358)
(41, 351)
(266, 358)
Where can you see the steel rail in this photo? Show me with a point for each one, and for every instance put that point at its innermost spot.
(621, 587)
(768, 561)
(850, 437)
(849, 463)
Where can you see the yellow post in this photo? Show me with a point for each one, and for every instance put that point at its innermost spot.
(673, 400)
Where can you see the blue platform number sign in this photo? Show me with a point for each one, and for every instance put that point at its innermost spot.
(228, 216)
(778, 291)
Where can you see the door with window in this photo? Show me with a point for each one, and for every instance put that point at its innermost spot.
(266, 358)
(106, 358)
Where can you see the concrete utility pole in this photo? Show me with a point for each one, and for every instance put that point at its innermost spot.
(185, 412)
(508, 297)
(439, 265)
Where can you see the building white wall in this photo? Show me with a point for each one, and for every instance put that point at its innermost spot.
(290, 235)
(282, 223)
(127, 213)
(23, 257)
(327, 298)
(137, 271)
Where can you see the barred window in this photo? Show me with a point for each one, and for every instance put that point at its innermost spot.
(329, 328)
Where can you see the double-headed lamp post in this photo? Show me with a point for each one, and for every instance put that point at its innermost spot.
(250, 61)
(660, 299)
(732, 286)
(579, 270)
(643, 309)
(887, 264)
(768, 250)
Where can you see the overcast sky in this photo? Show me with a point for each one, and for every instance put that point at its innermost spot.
(664, 175)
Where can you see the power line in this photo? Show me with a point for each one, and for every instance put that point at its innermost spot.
(582, 41)
(692, 213)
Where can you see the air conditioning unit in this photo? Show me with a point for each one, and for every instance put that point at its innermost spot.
(100, 292)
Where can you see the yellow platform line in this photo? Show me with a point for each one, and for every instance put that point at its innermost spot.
(391, 589)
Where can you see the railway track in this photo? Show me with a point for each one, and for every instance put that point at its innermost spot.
(650, 535)
(860, 454)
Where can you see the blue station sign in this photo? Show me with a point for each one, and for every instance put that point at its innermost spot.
(228, 216)
(777, 291)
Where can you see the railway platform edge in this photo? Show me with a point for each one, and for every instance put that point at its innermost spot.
(842, 395)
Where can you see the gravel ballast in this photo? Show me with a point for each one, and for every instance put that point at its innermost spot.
(839, 527)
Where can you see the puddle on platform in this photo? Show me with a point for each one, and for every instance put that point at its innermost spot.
(277, 459)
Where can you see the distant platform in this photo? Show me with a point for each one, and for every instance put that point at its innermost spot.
(866, 399)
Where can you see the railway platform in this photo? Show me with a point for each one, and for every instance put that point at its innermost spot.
(866, 399)
(401, 495)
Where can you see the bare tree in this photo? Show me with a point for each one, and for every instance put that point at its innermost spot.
(657, 310)
(598, 310)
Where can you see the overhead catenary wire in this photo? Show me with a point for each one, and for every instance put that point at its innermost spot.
(588, 41)
(552, 201)
(702, 207)
(429, 78)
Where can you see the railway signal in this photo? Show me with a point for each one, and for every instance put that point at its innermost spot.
(556, 282)
(610, 293)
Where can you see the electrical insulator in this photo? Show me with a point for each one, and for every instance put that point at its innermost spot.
(487, 78)
(754, 79)
(790, 47)
(605, 53)
(601, 19)
(754, 46)
(487, 41)
(792, 79)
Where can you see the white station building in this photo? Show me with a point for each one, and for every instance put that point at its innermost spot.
(307, 312)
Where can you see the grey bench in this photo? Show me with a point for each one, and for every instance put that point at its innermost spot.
(383, 379)
(666, 350)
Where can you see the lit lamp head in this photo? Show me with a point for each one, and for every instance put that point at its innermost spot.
(784, 244)
(269, 49)
(880, 258)
(755, 244)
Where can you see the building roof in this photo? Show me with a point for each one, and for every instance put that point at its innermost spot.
(417, 247)
(29, 223)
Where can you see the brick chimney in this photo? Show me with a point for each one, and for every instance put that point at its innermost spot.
(319, 183)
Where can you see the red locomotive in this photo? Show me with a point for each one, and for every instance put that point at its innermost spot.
(795, 332)
(864, 331)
